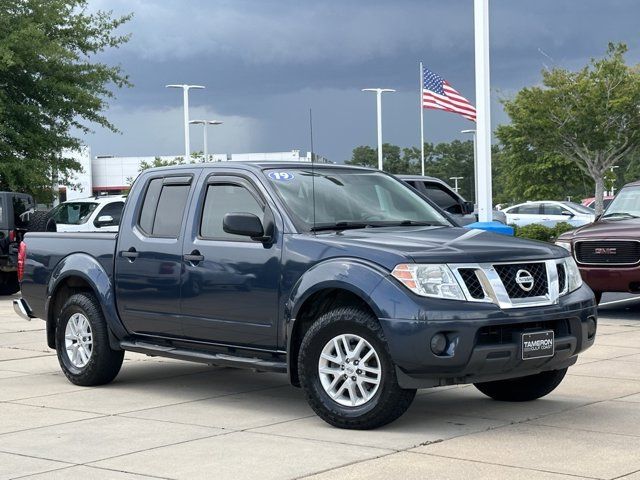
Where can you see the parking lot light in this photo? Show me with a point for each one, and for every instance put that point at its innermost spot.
(204, 124)
(379, 92)
(185, 100)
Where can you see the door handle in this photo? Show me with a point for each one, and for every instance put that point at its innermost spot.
(130, 254)
(193, 257)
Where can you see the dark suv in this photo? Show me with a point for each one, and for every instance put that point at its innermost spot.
(14, 212)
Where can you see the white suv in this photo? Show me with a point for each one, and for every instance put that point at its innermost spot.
(94, 214)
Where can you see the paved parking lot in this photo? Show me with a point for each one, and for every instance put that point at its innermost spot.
(168, 419)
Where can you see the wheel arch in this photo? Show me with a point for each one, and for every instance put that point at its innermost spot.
(326, 286)
(82, 273)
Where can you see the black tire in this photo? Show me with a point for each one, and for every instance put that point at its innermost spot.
(523, 389)
(9, 283)
(387, 404)
(104, 363)
(41, 222)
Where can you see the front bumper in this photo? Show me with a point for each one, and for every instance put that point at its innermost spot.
(612, 279)
(487, 340)
(21, 307)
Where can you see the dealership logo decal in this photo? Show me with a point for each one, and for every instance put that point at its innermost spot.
(280, 176)
(525, 280)
(605, 251)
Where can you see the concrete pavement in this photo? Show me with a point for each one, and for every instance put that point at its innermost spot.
(167, 419)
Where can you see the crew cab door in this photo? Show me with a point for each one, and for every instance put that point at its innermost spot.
(148, 259)
(230, 283)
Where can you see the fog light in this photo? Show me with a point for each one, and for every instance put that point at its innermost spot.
(591, 327)
(439, 343)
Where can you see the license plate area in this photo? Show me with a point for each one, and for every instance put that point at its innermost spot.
(538, 344)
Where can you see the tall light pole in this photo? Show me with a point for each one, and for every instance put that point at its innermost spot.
(185, 100)
(379, 92)
(475, 167)
(483, 109)
(455, 179)
(204, 124)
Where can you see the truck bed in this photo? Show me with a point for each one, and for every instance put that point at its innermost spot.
(47, 249)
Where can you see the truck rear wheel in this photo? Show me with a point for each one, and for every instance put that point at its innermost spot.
(82, 343)
(347, 373)
(523, 389)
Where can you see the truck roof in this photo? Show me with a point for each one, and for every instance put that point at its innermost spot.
(258, 165)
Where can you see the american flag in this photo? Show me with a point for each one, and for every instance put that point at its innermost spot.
(439, 95)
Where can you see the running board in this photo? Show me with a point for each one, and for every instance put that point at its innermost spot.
(218, 359)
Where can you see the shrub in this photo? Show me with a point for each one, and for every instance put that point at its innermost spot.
(535, 231)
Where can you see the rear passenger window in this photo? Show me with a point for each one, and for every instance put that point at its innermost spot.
(222, 199)
(163, 209)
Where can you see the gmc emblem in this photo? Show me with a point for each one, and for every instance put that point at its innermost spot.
(605, 251)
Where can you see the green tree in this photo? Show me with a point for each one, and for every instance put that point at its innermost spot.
(393, 160)
(589, 118)
(50, 87)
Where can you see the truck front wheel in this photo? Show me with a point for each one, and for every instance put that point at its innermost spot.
(82, 343)
(523, 389)
(347, 373)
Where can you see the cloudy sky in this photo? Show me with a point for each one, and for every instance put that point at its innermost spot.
(266, 62)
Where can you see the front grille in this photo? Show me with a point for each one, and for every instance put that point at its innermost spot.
(562, 278)
(608, 252)
(508, 274)
(503, 334)
(471, 281)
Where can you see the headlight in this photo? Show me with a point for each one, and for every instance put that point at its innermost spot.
(574, 279)
(429, 280)
(564, 244)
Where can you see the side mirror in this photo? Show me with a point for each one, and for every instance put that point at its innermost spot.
(567, 213)
(104, 221)
(246, 224)
(468, 207)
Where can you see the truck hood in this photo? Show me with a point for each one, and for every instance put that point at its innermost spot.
(440, 244)
(623, 229)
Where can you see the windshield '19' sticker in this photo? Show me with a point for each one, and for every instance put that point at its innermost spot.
(280, 176)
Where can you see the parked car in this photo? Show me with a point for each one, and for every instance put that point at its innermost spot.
(591, 202)
(448, 199)
(343, 278)
(549, 213)
(93, 214)
(608, 251)
(17, 216)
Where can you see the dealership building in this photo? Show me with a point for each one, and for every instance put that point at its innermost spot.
(106, 174)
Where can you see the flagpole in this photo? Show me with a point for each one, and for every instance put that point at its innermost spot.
(421, 120)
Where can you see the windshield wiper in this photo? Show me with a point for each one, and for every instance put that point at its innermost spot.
(339, 226)
(418, 223)
(620, 214)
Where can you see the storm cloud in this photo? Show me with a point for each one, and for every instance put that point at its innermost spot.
(265, 63)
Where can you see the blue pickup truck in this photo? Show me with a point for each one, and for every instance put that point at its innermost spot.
(346, 279)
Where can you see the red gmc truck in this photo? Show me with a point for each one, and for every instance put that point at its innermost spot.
(608, 250)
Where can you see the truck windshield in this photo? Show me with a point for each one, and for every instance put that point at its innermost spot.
(625, 205)
(350, 199)
(73, 213)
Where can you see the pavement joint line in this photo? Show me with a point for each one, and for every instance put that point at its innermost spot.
(67, 464)
(625, 475)
(95, 467)
(222, 395)
(508, 466)
(615, 302)
(91, 463)
(331, 442)
(47, 471)
(30, 429)
(348, 464)
(586, 429)
(25, 358)
(626, 379)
